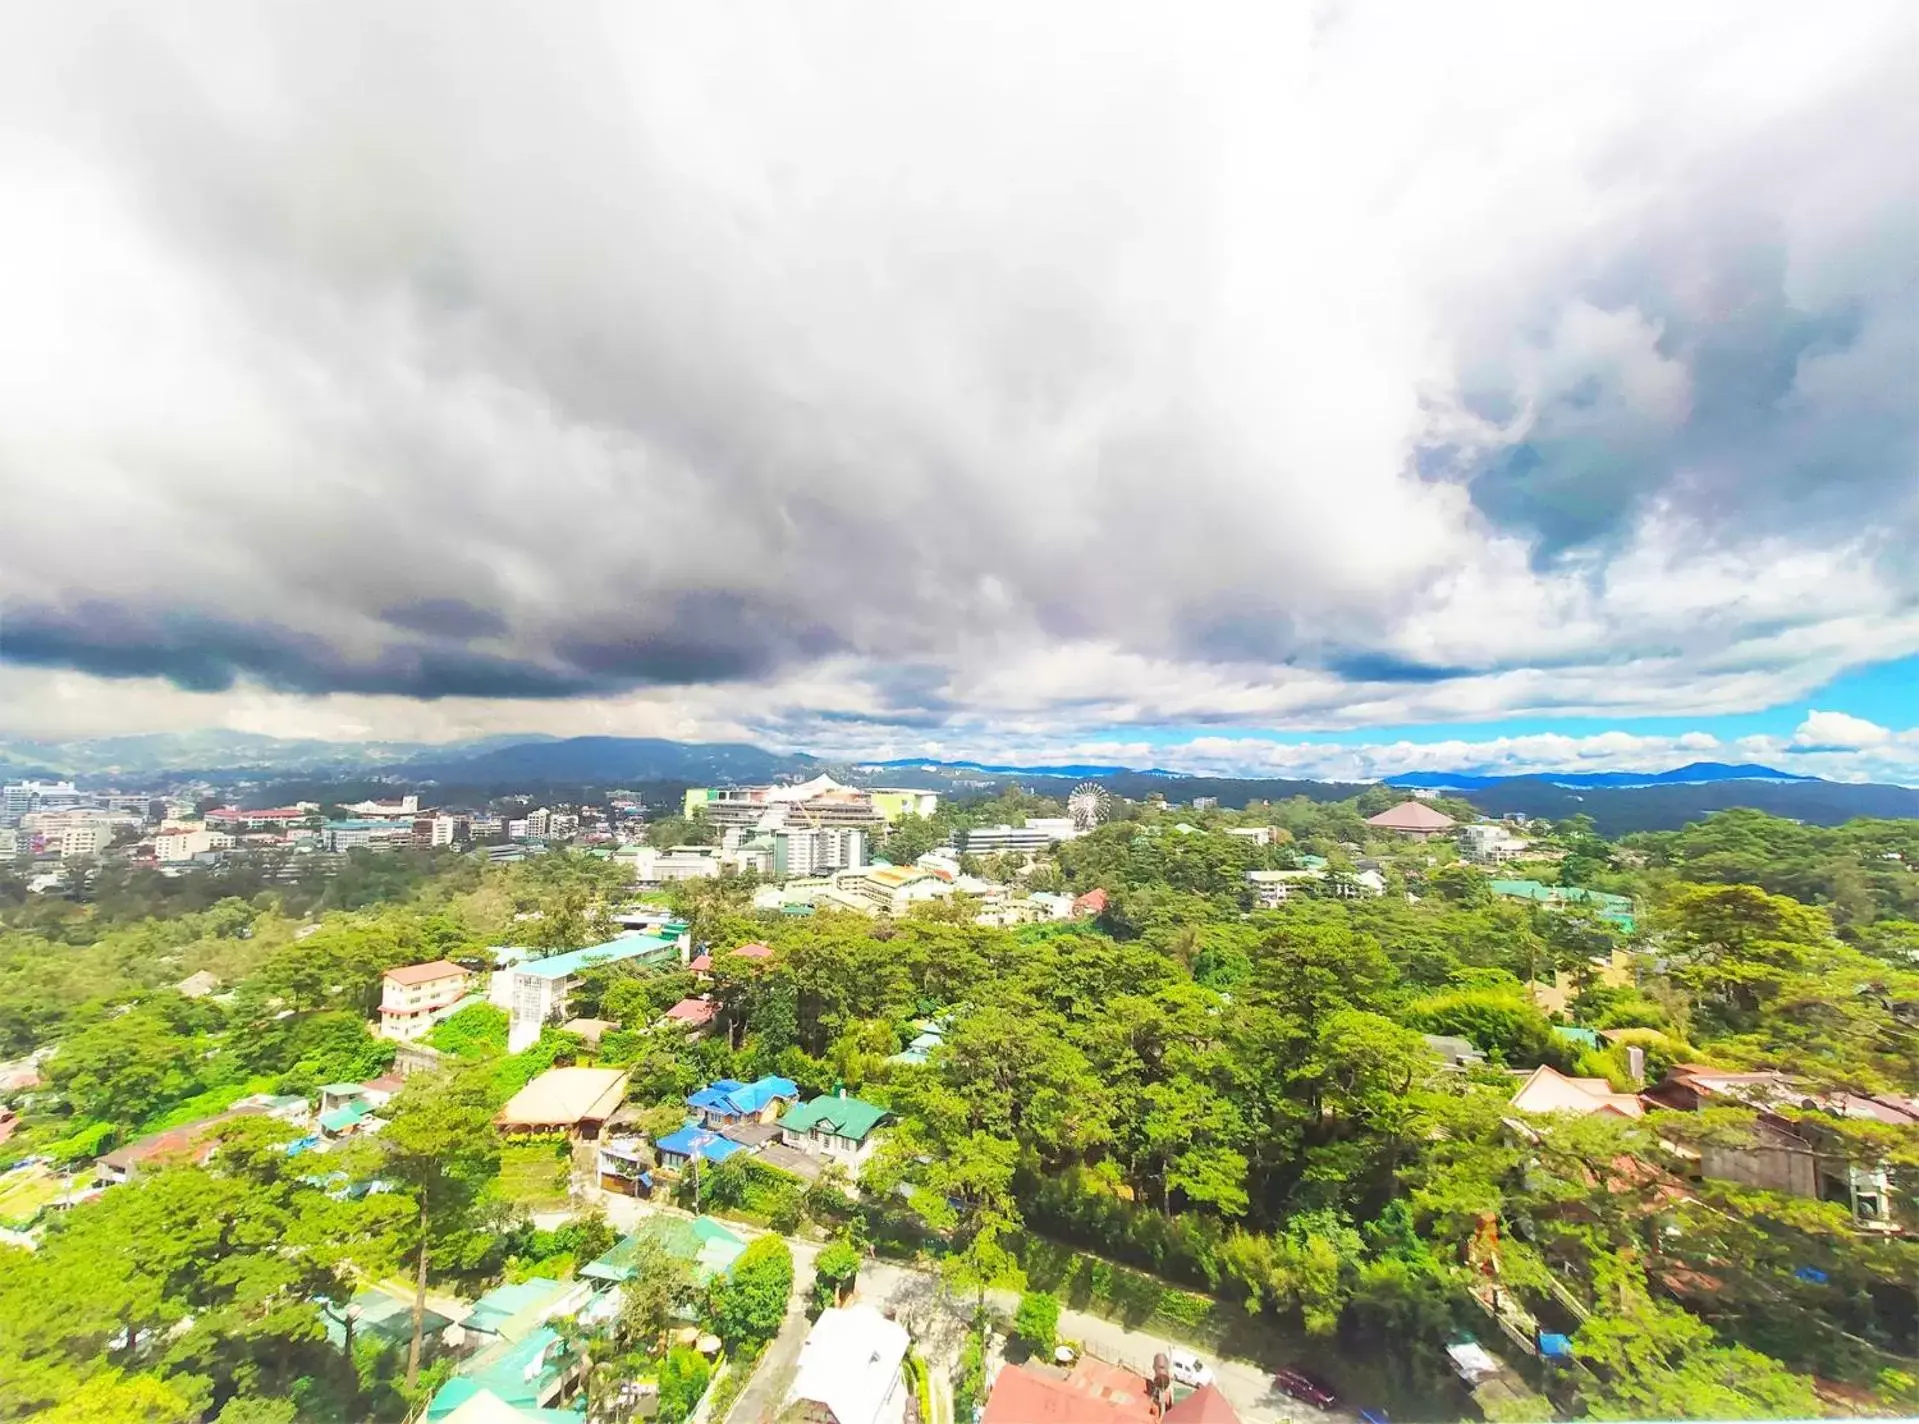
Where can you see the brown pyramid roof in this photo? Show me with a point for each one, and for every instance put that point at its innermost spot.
(1411, 816)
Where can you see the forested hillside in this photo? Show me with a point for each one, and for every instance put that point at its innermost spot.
(1239, 1103)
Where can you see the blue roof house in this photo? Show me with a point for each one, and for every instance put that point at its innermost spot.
(676, 1150)
(726, 1101)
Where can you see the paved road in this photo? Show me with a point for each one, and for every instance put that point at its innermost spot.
(938, 1324)
(759, 1402)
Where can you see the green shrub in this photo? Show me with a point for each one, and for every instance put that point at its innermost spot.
(683, 1377)
(1037, 1321)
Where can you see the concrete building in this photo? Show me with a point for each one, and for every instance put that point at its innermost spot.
(1490, 842)
(83, 840)
(170, 847)
(449, 830)
(19, 798)
(534, 992)
(361, 833)
(891, 889)
(652, 866)
(1258, 835)
(799, 852)
(1036, 835)
(897, 803)
(414, 997)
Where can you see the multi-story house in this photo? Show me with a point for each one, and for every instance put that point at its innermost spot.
(415, 996)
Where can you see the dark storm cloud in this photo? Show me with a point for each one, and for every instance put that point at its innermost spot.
(644, 352)
(207, 654)
(1772, 393)
(445, 618)
(1384, 667)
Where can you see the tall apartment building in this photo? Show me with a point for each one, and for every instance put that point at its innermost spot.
(20, 797)
(799, 852)
(83, 840)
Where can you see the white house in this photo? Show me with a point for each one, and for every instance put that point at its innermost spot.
(850, 1368)
(843, 1129)
(414, 997)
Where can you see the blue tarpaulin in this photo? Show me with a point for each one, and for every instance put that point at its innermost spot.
(1555, 1347)
(1811, 1273)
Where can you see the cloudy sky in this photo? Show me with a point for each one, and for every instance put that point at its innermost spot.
(1340, 388)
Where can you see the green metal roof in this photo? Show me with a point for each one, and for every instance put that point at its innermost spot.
(340, 1119)
(559, 966)
(703, 1243)
(495, 1312)
(852, 1118)
(518, 1374)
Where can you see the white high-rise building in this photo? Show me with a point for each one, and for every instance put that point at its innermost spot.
(20, 797)
(814, 852)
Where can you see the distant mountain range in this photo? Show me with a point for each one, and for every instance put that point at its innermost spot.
(157, 752)
(1074, 771)
(488, 766)
(1699, 773)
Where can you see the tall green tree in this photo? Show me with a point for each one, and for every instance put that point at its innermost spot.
(441, 1144)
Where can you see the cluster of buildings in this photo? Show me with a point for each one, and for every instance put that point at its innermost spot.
(1791, 1150)
(56, 820)
(763, 1120)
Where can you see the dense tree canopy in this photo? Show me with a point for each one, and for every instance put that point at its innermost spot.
(1236, 1099)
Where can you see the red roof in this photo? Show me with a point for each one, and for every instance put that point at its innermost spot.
(1093, 902)
(1025, 1396)
(702, 963)
(693, 1011)
(1205, 1405)
(194, 1138)
(424, 973)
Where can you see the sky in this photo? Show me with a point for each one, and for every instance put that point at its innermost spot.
(1331, 389)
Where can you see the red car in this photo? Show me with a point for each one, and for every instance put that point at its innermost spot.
(1304, 1387)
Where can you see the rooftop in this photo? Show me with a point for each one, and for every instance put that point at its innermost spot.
(613, 951)
(693, 1011)
(730, 1096)
(693, 1140)
(1089, 1394)
(1550, 1091)
(843, 1117)
(562, 1097)
(851, 1363)
(702, 1243)
(424, 973)
(1411, 816)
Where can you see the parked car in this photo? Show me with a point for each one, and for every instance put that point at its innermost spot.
(1304, 1387)
(1188, 1369)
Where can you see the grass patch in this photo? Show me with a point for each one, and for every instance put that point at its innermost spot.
(211, 1103)
(536, 1174)
(25, 1193)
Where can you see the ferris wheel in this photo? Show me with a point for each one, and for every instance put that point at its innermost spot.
(1088, 805)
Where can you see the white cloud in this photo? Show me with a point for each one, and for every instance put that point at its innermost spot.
(1839, 730)
(921, 371)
